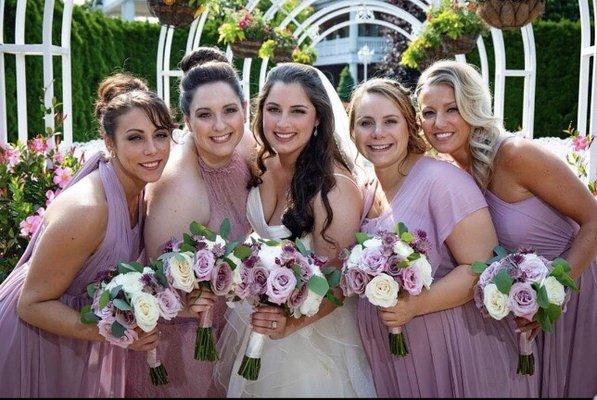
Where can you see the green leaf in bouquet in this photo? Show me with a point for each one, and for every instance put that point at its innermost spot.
(400, 228)
(91, 288)
(566, 280)
(500, 251)
(362, 237)
(318, 285)
(104, 299)
(242, 252)
(542, 298)
(164, 257)
(271, 242)
(333, 299)
(137, 266)
(503, 281)
(297, 272)
(403, 264)
(187, 247)
(543, 320)
(187, 239)
(117, 329)
(225, 228)
(122, 305)
(87, 315)
(114, 291)
(161, 277)
(407, 237)
(328, 270)
(334, 278)
(195, 228)
(553, 311)
(230, 246)
(301, 247)
(478, 267)
(414, 256)
(561, 264)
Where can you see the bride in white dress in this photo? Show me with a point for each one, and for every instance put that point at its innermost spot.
(304, 188)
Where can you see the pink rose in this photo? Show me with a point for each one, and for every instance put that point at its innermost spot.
(280, 284)
(354, 281)
(221, 279)
(204, 264)
(243, 289)
(522, 300)
(298, 297)
(533, 269)
(169, 303)
(373, 262)
(62, 176)
(411, 280)
(490, 272)
(258, 280)
(105, 329)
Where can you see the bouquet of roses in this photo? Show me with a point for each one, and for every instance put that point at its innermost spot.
(133, 296)
(281, 273)
(203, 259)
(526, 284)
(379, 265)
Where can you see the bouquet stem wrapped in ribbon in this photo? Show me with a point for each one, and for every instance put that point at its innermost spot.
(378, 266)
(526, 285)
(205, 348)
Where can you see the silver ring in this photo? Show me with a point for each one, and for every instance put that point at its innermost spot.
(274, 324)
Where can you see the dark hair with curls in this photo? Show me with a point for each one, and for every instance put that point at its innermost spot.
(314, 167)
(120, 93)
(211, 72)
(200, 56)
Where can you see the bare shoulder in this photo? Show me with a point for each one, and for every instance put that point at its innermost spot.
(518, 154)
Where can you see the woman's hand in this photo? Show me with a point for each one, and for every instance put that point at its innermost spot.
(524, 325)
(405, 309)
(201, 300)
(146, 341)
(270, 321)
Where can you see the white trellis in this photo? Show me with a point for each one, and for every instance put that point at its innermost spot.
(47, 50)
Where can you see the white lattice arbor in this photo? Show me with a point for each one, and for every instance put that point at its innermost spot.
(47, 50)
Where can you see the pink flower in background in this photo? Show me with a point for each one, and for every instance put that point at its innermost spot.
(13, 156)
(50, 196)
(59, 158)
(30, 225)
(62, 176)
(39, 145)
(581, 143)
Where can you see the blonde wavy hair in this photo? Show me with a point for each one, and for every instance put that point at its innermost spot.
(474, 105)
(400, 96)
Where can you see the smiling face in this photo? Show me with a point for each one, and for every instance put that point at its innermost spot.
(289, 118)
(141, 149)
(441, 121)
(380, 130)
(216, 120)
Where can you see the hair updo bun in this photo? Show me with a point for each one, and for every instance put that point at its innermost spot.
(201, 56)
(113, 86)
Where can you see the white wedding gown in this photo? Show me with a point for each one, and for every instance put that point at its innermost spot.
(323, 359)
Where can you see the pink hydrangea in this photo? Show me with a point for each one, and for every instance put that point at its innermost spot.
(62, 176)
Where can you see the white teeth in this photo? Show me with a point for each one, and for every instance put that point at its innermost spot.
(380, 146)
(151, 165)
(284, 135)
(221, 139)
(443, 135)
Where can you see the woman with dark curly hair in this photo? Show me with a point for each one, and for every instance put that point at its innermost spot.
(302, 188)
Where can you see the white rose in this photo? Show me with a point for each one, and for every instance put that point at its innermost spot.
(355, 256)
(310, 306)
(374, 242)
(268, 255)
(180, 267)
(402, 249)
(146, 309)
(422, 265)
(148, 270)
(130, 282)
(495, 302)
(236, 278)
(382, 291)
(555, 290)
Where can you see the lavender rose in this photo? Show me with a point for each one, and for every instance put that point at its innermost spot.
(204, 264)
(355, 281)
(105, 329)
(221, 279)
(490, 273)
(412, 281)
(373, 262)
(297, 298)
(533, 268)
(522, 300)
(280, 284)
(168, 303)
(258, 280)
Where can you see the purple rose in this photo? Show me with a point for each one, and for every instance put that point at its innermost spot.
(243, 289)
(298, 297)
(169, 303)
(258, 280)
(125, 318)
(412, 281)
(522, 300)
(280, 284)
(490, 273)
(306, 271)
(221, 279)
(533, 269)
(105, 329)
(373, 262)
(478, 297)
(355, 281)
(204, 264)
(392, 268)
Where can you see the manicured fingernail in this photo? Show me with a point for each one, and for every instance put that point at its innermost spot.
(517, 330)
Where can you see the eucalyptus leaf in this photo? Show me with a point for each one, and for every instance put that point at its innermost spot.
(137, 266)
(301, 247)
(114, 291)
(500, 251)
(333, 299)
(297, 271)
(242, 252)
(117, 329)
(225, 228)
(478, 267)
(104, 299)
(230, 246)
(334, 278)
(318, 285)
(328, 270)
(361, 237)
(271, 242)
(503, 281)
(122, 305)
(166, 256)
(91, 288)
(88, 316)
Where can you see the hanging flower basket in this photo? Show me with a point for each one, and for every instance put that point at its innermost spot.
(448, 48)
(175, 13)
(246, 48)
(282, 55)
(510, 14)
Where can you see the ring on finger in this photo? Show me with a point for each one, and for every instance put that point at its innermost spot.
(274, 324)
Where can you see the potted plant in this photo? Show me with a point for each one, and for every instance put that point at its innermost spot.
(178, 13)
(451, 28)
(509, 14)
(244, 31)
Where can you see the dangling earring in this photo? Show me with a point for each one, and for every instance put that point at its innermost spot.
(315, 131)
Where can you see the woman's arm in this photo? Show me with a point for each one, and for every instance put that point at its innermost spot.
(472, 239)
(346, 203)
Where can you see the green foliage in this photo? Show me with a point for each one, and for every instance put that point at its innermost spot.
(556, 10)
(345, 85)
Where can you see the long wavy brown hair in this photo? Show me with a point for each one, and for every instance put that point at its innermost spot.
(314, 167)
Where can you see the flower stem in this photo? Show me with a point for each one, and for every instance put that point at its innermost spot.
(158, 375)
(249, 368)
(526, 364)
(205, 348)
(398, 344)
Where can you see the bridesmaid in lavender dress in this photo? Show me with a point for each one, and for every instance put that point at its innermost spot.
(92, 225)
(535, 200)
(204, 181)
(453, 351)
